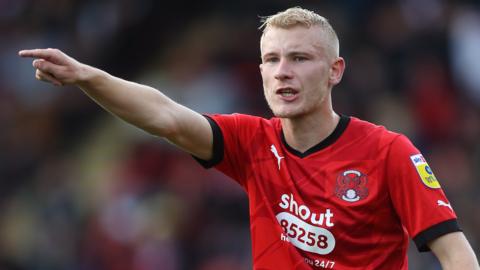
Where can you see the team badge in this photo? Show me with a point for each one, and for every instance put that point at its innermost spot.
(424, 171)
(351, 186)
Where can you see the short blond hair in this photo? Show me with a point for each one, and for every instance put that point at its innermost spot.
(299, 16)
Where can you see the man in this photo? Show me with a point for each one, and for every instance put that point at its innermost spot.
(326, 191)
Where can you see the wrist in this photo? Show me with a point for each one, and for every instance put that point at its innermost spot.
(90, 76)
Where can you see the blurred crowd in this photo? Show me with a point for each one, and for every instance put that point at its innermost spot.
(82, 190)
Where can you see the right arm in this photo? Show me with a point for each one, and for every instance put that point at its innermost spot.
(140, 105)
(454, 252)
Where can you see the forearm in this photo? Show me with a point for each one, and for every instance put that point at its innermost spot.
(454, 252)
(137, 104)
(463, 261)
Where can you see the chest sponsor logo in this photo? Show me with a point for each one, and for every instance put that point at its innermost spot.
(424, 171)
(351, 186)
(304, 228)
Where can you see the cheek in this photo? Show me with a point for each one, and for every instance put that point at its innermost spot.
(266, 80)
(319, 78)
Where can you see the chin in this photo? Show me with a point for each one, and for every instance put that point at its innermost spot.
(286, 114)
(287, 111)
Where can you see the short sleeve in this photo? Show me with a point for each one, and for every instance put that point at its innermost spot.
(231, 136)
(217, 148)
(416, 194)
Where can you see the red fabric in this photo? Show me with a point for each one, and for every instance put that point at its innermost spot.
(350, 205)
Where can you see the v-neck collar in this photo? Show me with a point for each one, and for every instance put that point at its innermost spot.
(333, 137)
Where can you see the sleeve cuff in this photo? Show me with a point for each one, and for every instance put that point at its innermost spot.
(217, 149)
(423, 238)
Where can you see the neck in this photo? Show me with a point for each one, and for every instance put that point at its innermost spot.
(303, 133)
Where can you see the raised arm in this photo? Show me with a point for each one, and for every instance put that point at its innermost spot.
(140, 105)
(454, 252)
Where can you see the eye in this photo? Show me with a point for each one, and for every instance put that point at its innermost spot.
(299, 58)
(271, 60)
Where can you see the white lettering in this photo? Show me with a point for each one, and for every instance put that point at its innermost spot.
(284, 203)
(326, 264)
(284, 238)
(319, 221)
(306, 211)
(329, 215)
(288, 202)
(293, 204)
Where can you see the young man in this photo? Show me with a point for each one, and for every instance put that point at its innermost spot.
(326, 191)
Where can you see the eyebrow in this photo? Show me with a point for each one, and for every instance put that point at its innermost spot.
(292, 53)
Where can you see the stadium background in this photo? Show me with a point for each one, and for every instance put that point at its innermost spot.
(79, 189)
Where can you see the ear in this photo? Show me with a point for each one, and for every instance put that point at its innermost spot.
(261, 67)
(336, 71)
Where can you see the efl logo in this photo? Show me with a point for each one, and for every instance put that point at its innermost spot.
(424, 171)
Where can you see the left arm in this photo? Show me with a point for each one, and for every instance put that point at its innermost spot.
(454, 252)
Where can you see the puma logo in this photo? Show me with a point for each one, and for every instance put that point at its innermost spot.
(442, 203)
(275, 153)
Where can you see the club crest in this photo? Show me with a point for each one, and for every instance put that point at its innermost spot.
(351, 186)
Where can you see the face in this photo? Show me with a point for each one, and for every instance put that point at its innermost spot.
(298, 69)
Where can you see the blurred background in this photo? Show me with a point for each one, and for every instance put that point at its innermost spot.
(81, 190)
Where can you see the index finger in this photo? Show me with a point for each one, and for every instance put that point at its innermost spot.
(47, 54)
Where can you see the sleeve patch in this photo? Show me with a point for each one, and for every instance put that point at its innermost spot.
(424, 171)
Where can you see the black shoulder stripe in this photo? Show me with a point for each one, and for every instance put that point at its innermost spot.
(437, 230)
(217, 155)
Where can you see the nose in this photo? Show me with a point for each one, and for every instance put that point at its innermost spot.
(283, 71)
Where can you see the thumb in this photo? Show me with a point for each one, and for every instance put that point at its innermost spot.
(46, 66)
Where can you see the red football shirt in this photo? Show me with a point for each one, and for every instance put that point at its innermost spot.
(350, 202)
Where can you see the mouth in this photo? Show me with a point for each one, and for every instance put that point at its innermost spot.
(287, 93)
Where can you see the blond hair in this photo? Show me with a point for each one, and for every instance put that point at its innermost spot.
(300, 16)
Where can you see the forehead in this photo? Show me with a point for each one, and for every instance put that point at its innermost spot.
(278, 40)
